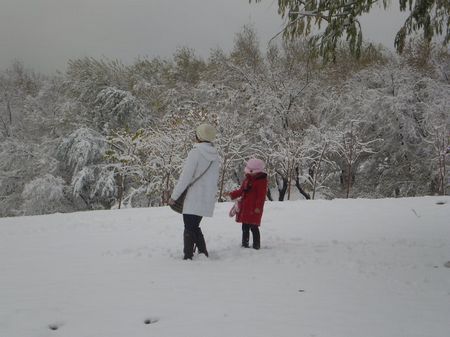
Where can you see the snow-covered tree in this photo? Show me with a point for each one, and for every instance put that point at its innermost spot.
(44, 195)
(167, 148)
(125, 161)
(118, 108)
(80, 155)
(188, 66)
(118, 134)
(17, 85)
(349, 146)
(435, 104)
(21, 162)
(81, 148)
(234, 147)
(319, 162)
(95, 185)
(246, 52)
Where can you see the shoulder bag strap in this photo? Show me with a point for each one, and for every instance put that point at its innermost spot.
(195, 180)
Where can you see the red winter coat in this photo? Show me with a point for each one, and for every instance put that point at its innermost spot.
(253, 195)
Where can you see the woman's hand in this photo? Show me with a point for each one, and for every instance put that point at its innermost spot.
(171, 202)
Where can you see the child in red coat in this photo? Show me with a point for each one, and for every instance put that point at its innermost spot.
(252, 194)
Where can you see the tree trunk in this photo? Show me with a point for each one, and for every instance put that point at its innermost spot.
(289, 184)
(222, 179)
(269, 195)
(282, 190)
(317, 170)
(314, 183)
(350, 161)
(349, 179)
(299, 187)
(237, 177)
(5, 127)
(166, 193)
(8, 109)
(120, 194)
(166, 190)
(442, 168)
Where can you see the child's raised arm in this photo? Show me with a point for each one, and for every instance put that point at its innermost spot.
(236, 193)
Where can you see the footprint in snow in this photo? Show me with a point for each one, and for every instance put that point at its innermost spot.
(55, 326)
(148, 321)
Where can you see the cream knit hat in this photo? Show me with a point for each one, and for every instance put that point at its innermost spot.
(206, 133)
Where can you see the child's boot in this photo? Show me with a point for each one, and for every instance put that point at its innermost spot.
(245, 237)
(256, 237)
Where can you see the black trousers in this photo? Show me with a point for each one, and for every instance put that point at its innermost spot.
(193, 235)
(191, 222)
(246, 228)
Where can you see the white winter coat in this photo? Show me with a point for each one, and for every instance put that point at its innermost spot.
(201, 196)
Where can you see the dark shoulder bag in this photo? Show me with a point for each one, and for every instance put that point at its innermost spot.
(179, 203)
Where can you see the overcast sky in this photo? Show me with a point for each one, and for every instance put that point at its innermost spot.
(45, 34)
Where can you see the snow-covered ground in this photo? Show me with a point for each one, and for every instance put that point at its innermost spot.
(341, 268)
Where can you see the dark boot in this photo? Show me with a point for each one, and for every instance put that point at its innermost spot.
(256, 237)
(200, 241)
(245, 235)
(188, 245)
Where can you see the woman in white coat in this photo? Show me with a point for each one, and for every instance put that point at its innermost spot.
(202, 161)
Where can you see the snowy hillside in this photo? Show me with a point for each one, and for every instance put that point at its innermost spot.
(341, 268)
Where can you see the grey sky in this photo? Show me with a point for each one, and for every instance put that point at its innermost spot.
(45, 34)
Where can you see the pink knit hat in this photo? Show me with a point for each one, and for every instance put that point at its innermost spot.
(254, 166)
